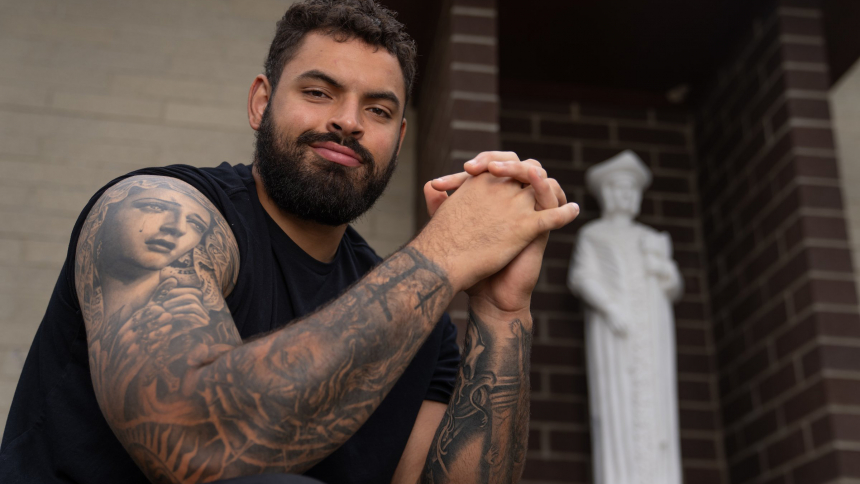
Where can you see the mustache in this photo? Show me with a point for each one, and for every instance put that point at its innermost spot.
(309, 137)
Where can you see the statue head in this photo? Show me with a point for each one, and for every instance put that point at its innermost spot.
(618, 184)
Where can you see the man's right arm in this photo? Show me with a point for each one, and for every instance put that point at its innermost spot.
(192, 403)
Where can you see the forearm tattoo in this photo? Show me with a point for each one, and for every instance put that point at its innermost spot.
(483, 435)
(188, 400)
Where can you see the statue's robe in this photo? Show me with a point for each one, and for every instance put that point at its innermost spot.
(631, 380)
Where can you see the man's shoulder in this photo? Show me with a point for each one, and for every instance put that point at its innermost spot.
(227, 177)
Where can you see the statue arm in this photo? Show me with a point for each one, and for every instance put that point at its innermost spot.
(663, 267)
(671, 281)
(584, 277)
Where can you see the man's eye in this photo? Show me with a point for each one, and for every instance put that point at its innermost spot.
(380, 112)
(316, 93)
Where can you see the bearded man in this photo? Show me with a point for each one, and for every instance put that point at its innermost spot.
(221, 323)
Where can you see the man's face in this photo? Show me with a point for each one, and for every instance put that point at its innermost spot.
(153, 228)
(328, 141)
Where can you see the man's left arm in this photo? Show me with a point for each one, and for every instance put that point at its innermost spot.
(483, 434)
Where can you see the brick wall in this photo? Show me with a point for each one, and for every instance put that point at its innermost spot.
(458, 103)
(784, 303)
(567, 138)
(92, 89)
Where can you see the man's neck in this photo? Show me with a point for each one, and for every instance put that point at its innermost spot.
(318, 240)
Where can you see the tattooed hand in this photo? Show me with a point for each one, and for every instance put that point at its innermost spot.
(184, 302)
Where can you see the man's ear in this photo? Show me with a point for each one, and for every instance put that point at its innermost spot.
(402, 134)
(258, 100)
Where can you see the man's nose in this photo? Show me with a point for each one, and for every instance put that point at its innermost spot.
(346, 121)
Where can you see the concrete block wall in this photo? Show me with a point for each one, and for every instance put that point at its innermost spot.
(784, 301)
(92, 89)
(568, 138)
(845, 115)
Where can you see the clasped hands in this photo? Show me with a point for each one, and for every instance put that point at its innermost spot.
(507, 291)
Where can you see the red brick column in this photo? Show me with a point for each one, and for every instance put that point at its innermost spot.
(458, 114)
(458, 105)
(567, 138)
(779, 266)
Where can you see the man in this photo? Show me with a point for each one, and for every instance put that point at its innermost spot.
(245, 356)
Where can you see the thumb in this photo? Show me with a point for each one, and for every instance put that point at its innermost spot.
(433, 197)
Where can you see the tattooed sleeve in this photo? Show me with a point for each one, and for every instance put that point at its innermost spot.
(186, 397)
(483, 435)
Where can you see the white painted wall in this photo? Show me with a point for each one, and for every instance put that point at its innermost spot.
(91, 89)
(845, 112)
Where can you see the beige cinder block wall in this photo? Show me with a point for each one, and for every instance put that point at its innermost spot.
(92, 89)
(845, 106)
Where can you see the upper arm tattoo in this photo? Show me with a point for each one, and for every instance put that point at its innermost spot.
(154, 261)
(188, 400)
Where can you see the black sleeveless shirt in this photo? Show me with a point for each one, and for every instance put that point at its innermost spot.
(55, 432)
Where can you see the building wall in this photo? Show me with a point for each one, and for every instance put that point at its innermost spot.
(567, 138)
(845, 113)
(92, 89)
(459, 97)
(458, 103)
(783, 296)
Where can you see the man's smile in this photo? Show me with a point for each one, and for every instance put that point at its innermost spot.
(337, 153)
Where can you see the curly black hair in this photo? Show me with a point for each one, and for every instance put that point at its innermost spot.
(344, 20)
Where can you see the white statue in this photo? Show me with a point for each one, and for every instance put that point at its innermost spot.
(624, 273)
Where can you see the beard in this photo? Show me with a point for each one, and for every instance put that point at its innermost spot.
(301, 182)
